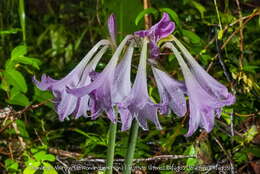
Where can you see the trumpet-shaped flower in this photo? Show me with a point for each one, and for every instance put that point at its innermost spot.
(138, 104)
(206, 95)
(158, 31)
(101, 88)
(171, 93)
(66, 103)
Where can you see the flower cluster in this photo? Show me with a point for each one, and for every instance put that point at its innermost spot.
(85, 92)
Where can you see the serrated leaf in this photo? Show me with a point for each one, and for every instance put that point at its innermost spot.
(20, 50)
(16, 79)
(32, 168)
(49, 169)
(143, 13)
(172, 14)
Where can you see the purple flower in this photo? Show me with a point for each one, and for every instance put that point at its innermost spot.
(101, 88)
(158, 31)
(66, 103)
(138, 104)
(111, 23)
(171, 93)
(206, 95)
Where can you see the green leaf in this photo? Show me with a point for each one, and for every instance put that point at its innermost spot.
(18, 51)
(173, 15)
(41, 96)
(194, 38)
(42, 156)
(16, 79)
(11, 165)
(22, 128)
(250, 68)
(28, 61)
(19, 99)
(199, 7)
(143, 13)
(250, 134)
(49, 169)
(32, 168)
(191, 151)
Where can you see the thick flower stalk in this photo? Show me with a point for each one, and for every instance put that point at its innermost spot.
(66, 103)
(206, 95)
(138, 104)
(158, 31)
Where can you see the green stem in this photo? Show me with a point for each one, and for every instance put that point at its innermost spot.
(22, 18)
(131, 147)
(111, 148)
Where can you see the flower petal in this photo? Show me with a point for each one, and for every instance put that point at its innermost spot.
(171, 93)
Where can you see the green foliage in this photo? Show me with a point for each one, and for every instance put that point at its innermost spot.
(51, 37)
(40, 160)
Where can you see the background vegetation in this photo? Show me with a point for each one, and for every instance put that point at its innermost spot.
(51, 37)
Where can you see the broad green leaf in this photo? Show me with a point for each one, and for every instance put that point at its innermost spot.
(145, 12)
(28, 61)
(18, 51)
(49, 169)
(32, 168)
(19, 99)
(39, 156)
(173, 15)
(42, 156)
(4, 84)
(11, 165)
(16, 79)
(22, 128)
(194, 38)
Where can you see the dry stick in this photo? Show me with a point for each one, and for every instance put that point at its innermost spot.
(147, 18)
(227, 128)
(138, 160)
(241, 36)
(11, 151)
(19, 113)
(248, 18)
(227, 154)
(23, 145)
